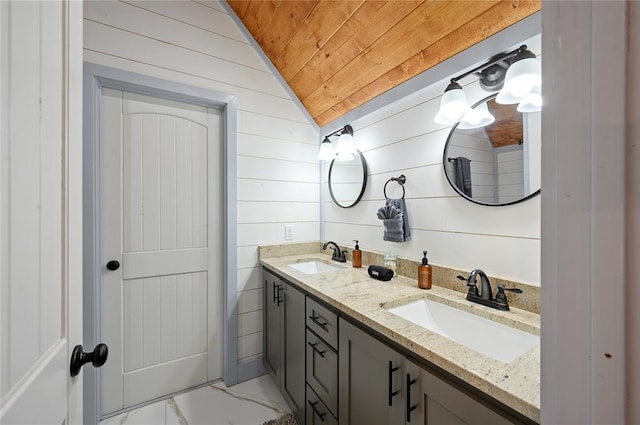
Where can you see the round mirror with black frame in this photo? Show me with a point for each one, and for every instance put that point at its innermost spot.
(347, 180)
(495, 164)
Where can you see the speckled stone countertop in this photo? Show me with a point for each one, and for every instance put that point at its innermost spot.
(352, 291)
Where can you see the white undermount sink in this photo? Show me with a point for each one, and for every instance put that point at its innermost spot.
(314, 267)
(495, 340)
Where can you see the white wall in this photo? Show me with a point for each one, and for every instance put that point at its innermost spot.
(197, 43)
(403, 139)
(510, 173)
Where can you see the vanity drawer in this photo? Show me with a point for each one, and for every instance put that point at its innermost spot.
(317, 412)
(322, 371)
(323, 322)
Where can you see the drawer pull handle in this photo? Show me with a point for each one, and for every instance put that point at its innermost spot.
(274, 293)
(278, 299)
(315, 349)
(313, 407)
(315, 320)
(410, 408)
(391, 392)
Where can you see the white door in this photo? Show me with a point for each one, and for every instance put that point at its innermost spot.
(162, 222)
(40, 211)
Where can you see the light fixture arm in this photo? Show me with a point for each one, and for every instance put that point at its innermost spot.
(494, 61)
(346, 129)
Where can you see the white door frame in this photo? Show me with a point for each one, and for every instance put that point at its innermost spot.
(583, 288)
(95, 78)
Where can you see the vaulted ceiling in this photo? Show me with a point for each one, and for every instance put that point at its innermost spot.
(337, 55)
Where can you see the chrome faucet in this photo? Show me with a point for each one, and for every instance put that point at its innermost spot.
(338, 255)
(485, 296)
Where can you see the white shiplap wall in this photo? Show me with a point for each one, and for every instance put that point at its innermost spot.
(403, 139)
(197, 43)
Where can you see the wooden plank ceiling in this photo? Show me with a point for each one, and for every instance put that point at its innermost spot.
(337, 55)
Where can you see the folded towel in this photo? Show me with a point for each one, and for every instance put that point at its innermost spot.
(391, 217)
(388, 211)
(401, 205)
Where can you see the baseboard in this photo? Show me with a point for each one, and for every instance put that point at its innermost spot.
(251, 368)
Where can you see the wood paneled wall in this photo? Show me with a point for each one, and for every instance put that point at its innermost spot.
(197, 43)
(403, 139)
(337, 55)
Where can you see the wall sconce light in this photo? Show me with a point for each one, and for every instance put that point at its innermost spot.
(518, 76)
(346, 146)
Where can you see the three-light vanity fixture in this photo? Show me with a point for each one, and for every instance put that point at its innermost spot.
(517, 74)
(346, 147)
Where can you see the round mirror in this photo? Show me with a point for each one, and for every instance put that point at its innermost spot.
(347, 180)
(499, 163)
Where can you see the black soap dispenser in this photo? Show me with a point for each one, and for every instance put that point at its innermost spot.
(356, 258)
(424, 273)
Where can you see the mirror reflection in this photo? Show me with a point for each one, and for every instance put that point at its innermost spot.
(498, 164)
(347, 180)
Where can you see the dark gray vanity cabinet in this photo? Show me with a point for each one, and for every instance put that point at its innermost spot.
(284, 349)
(438, 402)
(379, 386)
(370, 379)
(273, 288)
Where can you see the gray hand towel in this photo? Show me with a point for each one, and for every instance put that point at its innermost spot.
(402, 206)
(392, 221)
(463, 175)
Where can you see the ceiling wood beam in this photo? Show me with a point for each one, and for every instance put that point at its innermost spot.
(285, 23)
(366, 25)
(322, 23)
(423, 27)
(337, 55)
(495, 19)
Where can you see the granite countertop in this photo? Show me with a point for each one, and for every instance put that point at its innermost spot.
(352, 291)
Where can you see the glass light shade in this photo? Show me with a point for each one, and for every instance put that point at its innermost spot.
(521, 79)
(453, 105)
(531, 103)
(346, 146)
(326, 151)
(476, 117)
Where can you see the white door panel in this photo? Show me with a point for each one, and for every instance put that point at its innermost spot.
(159, 198)
(154, 263)
(40, 154)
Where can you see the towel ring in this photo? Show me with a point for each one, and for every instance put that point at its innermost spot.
(401, 181)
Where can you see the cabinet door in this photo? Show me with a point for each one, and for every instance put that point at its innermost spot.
(442, 403)
(272, 324)
(293, 321)
(370, 379)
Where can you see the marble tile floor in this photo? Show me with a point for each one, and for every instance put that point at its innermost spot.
(249, 403)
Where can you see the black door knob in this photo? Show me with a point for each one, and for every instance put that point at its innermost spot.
(97, 357)
(113, 265)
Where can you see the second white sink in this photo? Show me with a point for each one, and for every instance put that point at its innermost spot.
(314, 267)
(495, 340)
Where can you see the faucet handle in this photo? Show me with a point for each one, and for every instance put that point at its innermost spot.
(473, 289)
(501, 296)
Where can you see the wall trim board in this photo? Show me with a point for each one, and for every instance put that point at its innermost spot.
(251, 368)
(269, 64)
(583, 317)
(467, 59)
(95, 78)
